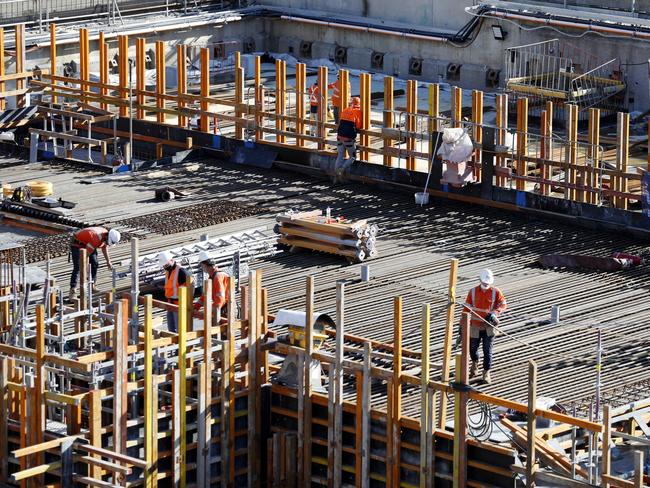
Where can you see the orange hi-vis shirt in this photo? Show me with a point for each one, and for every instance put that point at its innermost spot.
(220, 282)
(91, 238)
(481, 302)
(336, 92)
(314, 95)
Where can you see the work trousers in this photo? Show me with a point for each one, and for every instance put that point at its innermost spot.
(335, 111)
(172, 321)
(487, 348)
(76, 264)
(343, 164)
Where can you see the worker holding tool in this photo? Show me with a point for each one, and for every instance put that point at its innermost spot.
(314, 99)
(90, 239)
(485, 303)
(347, 135)
(175, 277)
(220, 282)
(336, 97)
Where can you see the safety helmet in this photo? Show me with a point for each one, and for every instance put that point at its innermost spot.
(486, 276)
(356, 102)
(113, 237)
(204, 256)
(164, 258)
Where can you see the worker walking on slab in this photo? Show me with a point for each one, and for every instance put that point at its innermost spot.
(314, 102)
(336, 97)
(347, 135)
(220, 282)
(90, 239)
(175, 277)
(485, 303)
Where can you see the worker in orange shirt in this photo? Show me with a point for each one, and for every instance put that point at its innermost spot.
(347, 135)
(336, 97)
(314, 102)
(485, 303)
(90, 239)
(175, 277)
(220, 282)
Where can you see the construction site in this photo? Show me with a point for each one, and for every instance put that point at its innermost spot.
(289, 244)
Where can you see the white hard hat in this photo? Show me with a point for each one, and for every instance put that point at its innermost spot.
(113, 237)
(164, 257)
(204, 256)
(486, 276)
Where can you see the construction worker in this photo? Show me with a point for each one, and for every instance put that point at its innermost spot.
(336, 97)
(90, 239)
(314, 101)
(347, 135)
(175, 277)
(485, 303)
(220, 282)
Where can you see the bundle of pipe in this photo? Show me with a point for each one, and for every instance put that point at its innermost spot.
(311, 230)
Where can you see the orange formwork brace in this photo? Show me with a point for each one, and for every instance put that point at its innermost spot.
(456, 106)
(323, 106)
(240, 80)
(84, 60)
(140, 65)
(204, 124)
(123, 62)
(103, 69)
(280, 95)
(301, 90)
(572, 149)
(52, 60)
(593, 153)
(365, 82)
(20, 61)
(411, 121)
(259, 100)
(522, 141)
(502, 130)
(388, 118)
(181, 69)
(622, 156)
(477, 119)
(160, 80)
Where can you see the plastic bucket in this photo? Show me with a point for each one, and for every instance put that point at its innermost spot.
(422, 198)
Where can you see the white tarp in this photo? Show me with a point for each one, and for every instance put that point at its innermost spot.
(457, 146)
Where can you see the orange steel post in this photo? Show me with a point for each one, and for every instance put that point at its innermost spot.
(52, 60)
(181, 69)
(160, 80)
(259, 100)
(622, 157)
(411, 121)
(388, 118)
(140, 85)
(323, 106)
(522, 141)
(572, 149)
(543, 153)
(20, 61)
(593, 153)
(103, 69)
(502, 126)
(366, 81)
(205, 88)
(301, 90)
(280, 100)
(477, 119)
(345, 89)
(240, 82)
(123, 56)
(456, 106)
(84, 65)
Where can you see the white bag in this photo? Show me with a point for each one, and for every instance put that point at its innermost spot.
(457, 146)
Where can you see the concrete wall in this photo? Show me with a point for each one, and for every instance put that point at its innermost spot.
(618, 5)
(444, 14)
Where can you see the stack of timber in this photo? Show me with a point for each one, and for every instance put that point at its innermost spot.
(335, 235)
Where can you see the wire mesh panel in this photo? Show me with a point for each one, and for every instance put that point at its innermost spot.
(564, 74)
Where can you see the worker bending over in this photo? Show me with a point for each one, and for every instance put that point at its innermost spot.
(336, 97)
(485, 303)
(175, 277)
(90, 239)
(347, 135)
(220, 282)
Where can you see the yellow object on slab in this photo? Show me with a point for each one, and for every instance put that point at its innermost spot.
(40, 188)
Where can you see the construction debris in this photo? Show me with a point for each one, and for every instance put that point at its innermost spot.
(311, 230)
(579, 261)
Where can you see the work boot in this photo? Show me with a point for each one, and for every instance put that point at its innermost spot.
(72, 295)
(474, 369)
(487, 379)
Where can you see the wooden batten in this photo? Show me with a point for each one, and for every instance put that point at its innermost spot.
(204, 122)
(388, 117)
(572, 150)
(502, 127)
(140, 70)
(301, 93)
(365, 80)
(123, 70)
(19, 38)
(52, 60)
(456, 106)
(181, 70)
(594, 155)
(521, 168)
(323, 106)
(103, 70)
(161, 80)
